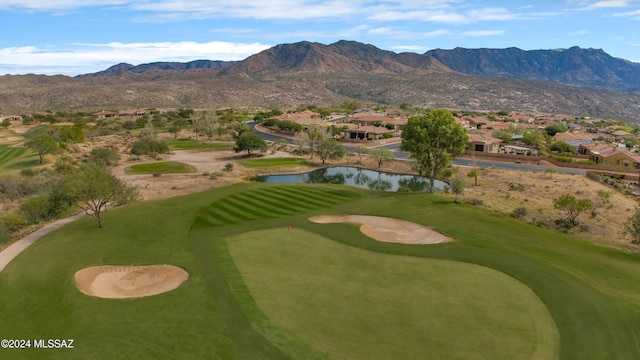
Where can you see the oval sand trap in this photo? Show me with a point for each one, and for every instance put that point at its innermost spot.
(388, 229)
(119, 282)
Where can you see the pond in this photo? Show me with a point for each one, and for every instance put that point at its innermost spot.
(363, 178)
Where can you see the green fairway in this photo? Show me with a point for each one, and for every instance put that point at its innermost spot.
(274, 162)
(8, 153)
(163, 167)
(192, 144)
(503, 289)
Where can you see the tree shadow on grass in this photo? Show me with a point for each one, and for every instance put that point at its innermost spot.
(27, 163)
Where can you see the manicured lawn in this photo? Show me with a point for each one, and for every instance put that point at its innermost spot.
(8, 153)
(192, 144)
(503, 289)
(274, 162)
(163, 167)
(345, 302)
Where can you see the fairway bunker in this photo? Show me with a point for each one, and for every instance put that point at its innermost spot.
(388, 229)
(120, 282)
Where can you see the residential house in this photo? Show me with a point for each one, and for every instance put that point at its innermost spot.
(105, 114)
(575, 139)
(614, 156)
(367, 133)
(484, 142)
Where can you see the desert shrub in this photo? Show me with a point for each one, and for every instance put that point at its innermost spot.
(516, 187)
(13, 221)
(476, 202)
(156, 174)
(104, 155)
(228, 167)
(215, 175)
(519, 213)
(28, 172)
(36, 209)
(151, 147)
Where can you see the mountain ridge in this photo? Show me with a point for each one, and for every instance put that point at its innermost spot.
(291, 75)
(573, 66)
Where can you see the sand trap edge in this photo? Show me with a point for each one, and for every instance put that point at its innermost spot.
(129, 281)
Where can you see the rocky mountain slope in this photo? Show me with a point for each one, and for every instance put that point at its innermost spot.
(305, 73)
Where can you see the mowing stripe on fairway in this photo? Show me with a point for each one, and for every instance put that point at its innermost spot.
(8, 152)
(240, 203)
(306, 197)
(260, 206)
(302, 203)
(269, 200)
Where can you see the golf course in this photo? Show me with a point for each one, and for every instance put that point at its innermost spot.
(265, 279)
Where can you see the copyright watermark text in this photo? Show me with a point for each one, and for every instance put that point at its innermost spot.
(36, 343)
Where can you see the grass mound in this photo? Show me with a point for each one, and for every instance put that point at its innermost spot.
(274, 162)
(164, 167)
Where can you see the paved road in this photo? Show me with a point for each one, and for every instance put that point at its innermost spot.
(403, 155)
(17, 247)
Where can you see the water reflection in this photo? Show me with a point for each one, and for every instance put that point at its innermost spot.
(363, 178)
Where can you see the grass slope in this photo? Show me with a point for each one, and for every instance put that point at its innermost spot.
(274, 162)
(345, 302)
(8, 153)
(163, 167)
(591, 292)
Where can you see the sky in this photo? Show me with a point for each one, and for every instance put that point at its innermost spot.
(73, 37)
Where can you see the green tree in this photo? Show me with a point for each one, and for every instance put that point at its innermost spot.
(5, 123)
(572, 207)
(381, 154)
(555, 128)
(250, 141)
(473, 173)
(434, 141)
(457, 187)
(562, 147)
(533, 137)
(632, 227)
(315, 135)
(91, 187)
(330, 149)
(42, 143)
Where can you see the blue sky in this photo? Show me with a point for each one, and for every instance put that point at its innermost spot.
(73, 37)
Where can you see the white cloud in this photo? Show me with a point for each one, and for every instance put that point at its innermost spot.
(603, 4)
(630, 14)
(49, 5)
(95, 57)
(410, 48)
(476, 33)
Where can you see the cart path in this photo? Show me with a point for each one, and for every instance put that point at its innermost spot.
(16, 248)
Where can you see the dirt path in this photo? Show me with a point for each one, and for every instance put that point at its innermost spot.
(16, 248)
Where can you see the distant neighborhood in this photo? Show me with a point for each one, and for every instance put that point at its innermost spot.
(585, 140)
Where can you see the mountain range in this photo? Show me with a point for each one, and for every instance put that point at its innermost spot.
(572, 81)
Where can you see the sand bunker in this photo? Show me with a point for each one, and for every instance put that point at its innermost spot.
(119, 282)
(388, 229)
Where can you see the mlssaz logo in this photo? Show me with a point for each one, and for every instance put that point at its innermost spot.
(53, 344)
